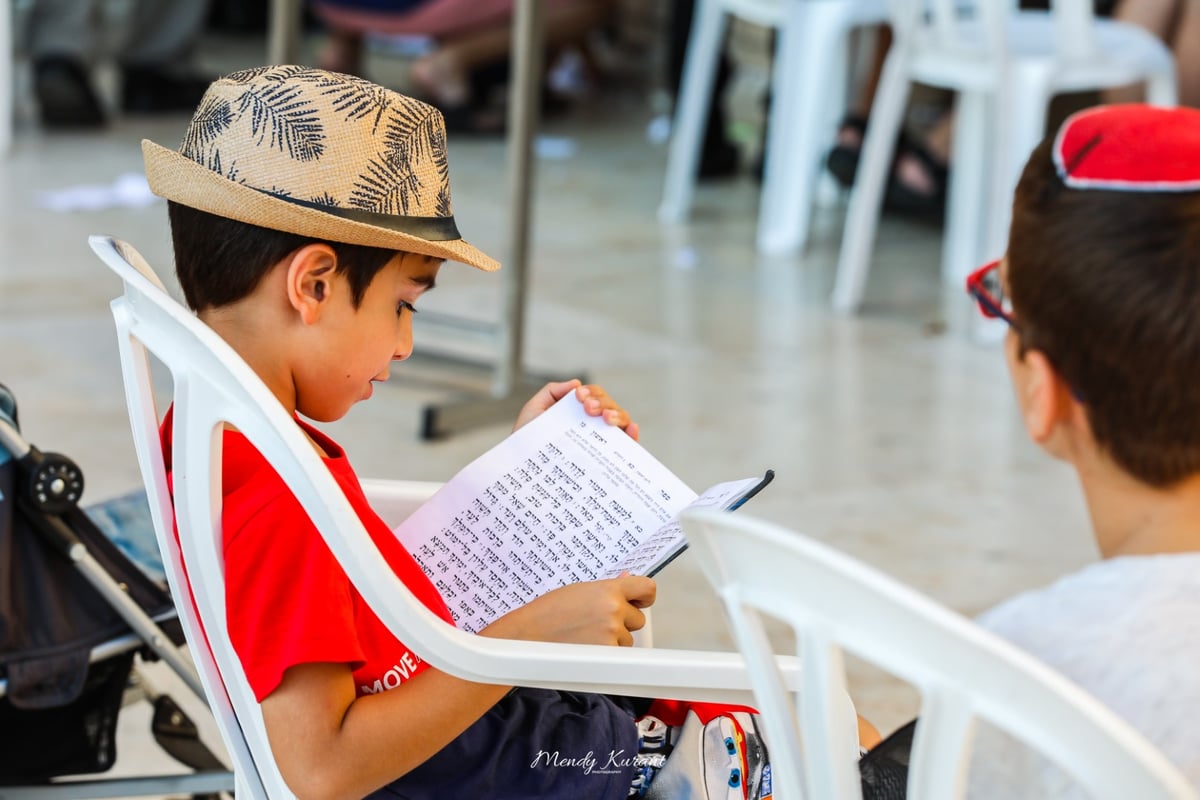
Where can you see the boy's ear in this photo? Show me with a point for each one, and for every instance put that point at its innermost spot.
(309, 277)
(1045, 398)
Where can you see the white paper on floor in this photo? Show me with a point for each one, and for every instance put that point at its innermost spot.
(554, 148)
(129, 190)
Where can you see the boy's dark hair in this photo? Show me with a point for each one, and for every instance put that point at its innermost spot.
(1106, 284)
(219, 260)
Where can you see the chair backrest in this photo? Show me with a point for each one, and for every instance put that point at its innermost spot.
(980, 27)
(836, 604)
(214, 386)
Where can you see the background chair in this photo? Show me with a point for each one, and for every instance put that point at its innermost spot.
(834, 603)
(1005, 65)
(807, 97)
(213, 386)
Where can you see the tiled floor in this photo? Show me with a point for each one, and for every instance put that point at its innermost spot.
(893, 436)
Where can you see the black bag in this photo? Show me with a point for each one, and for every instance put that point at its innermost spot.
(75, 738)
(884, 769)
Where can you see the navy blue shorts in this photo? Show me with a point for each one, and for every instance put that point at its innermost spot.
(534, 743)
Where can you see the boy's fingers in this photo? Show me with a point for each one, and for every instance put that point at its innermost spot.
(635, 620)
(617, 417)
(560, 389)
(639, 590)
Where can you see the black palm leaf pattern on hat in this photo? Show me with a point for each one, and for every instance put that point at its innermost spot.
(435, 135)
(274, 72)
(291, 122)
(212, 118)
(386, 187)
(213, 162)
(324, 199)
(390, 181)
(356, 98)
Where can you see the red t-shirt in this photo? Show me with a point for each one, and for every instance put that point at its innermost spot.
(287, 599)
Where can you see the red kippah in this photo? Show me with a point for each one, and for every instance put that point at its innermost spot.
(1131, 148)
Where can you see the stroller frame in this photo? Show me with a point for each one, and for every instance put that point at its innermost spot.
(145, 632)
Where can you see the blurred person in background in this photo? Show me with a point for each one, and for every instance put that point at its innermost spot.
(154, 53)
(1177, 24)
(471, 38)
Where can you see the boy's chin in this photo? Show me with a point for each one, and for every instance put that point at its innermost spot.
(326, 414)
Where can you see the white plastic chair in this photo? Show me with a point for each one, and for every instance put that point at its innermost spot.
(807, 96)
(834, 604)
(1005, 65)
(213, 386)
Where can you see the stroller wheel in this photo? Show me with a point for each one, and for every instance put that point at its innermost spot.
(56, 483)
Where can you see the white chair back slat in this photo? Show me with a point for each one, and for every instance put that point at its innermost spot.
(1074, 33)
(132, 333)
(827, 718)
(941, 751)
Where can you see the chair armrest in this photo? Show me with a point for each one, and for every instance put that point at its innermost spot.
(395, 500)
(696, 675)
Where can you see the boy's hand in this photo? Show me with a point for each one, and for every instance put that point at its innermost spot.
(596, 403)
(595, 612)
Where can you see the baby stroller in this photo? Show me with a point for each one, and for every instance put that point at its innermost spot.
(74, 612)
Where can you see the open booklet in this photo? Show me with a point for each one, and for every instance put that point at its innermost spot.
(566, 498)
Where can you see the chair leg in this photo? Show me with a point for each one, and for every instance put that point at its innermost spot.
(866, 197)
(968, 192)
(976, 197)
(691, 107)
(1025, 116)
(807, 58)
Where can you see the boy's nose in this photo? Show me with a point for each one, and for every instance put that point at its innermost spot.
(404, 345)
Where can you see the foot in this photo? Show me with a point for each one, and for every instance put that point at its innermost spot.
(342, 52)
(152, 90)
(64, 94)
(439, 81)
(473, 120)
(439, 78)
(917, 185)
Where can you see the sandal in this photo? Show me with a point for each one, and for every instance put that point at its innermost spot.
(65, 95)
(904, 198)
(470, 120)
(842, 160)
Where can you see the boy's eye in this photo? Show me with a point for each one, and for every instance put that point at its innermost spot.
(404, 305)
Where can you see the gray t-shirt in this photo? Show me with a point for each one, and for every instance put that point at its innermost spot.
(1127, 630)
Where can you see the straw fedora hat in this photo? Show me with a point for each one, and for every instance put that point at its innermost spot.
(317, 154)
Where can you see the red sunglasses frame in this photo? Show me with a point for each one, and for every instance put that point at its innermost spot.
(989, 305)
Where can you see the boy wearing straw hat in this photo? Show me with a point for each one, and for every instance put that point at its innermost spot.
(1099, 289)
(310, 211)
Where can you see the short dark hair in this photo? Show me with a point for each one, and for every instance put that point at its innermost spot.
(1106, 284)
(219, 260)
